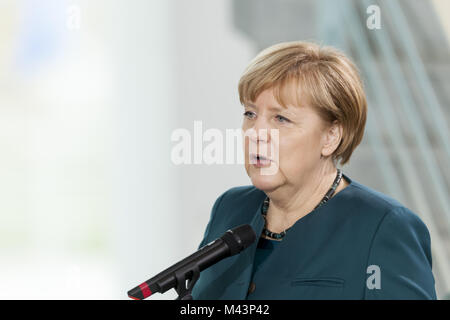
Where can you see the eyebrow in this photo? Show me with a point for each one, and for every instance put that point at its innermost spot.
(270, 108)
(277, 109)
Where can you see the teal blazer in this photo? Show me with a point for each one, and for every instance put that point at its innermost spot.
(361, 244)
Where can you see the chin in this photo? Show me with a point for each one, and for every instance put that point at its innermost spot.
(264, 182)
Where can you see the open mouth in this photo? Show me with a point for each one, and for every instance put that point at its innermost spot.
(259, 160)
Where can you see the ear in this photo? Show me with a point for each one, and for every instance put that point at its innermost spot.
(332, 138)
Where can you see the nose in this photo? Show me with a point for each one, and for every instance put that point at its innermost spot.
(259, 139)
(260, 132)
(258, 136)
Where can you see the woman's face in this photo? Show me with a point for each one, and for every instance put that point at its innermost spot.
(294, 155)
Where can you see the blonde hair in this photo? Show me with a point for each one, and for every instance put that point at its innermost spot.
(323, 77)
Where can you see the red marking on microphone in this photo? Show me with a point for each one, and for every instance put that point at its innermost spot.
(145, 290)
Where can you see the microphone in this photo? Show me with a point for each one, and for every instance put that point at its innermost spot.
(231, 243)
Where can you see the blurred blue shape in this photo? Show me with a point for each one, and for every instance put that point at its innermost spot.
(41, 34)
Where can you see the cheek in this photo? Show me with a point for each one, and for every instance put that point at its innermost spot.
(299, 151)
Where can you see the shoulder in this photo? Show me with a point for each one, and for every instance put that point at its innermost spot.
(392, 218)
(379, 216)
(370, 203)
(399, 245)
(401, 250)
(372, 199)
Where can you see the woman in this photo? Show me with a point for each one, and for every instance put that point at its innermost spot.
(321, 234)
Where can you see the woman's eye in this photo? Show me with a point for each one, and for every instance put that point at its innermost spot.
(248, 114)
(282, 119)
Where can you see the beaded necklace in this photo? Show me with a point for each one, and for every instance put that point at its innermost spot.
(327, 196)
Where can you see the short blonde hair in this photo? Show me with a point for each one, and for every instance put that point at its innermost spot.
(323, 76)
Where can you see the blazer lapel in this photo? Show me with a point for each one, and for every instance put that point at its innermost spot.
(239, 287)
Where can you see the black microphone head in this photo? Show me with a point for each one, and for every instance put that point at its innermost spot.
(239, 238)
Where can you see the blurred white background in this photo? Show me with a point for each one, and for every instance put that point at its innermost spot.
(90, 92)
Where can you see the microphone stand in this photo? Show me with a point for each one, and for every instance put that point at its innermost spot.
(190, 272)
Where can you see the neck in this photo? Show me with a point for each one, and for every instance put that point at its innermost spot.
(288, 203)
